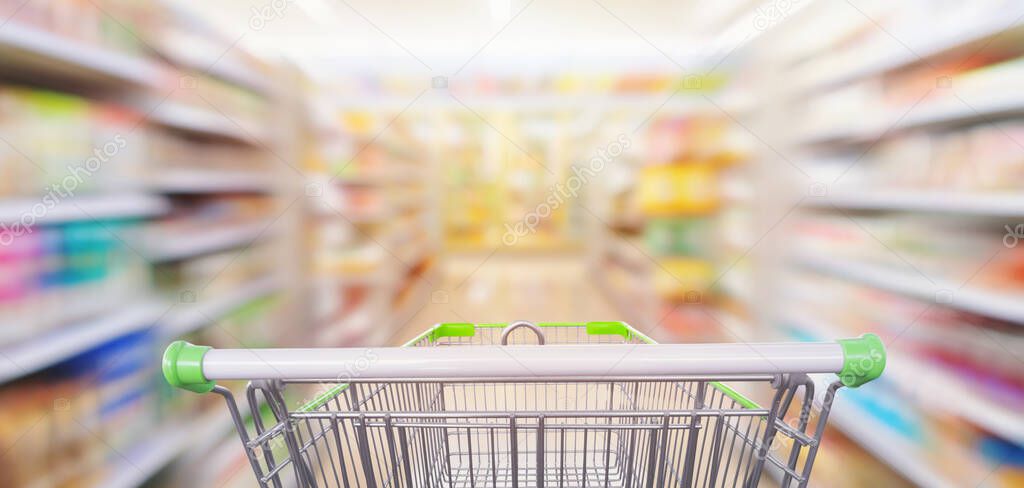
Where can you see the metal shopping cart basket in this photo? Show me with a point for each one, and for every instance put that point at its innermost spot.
(524, 405)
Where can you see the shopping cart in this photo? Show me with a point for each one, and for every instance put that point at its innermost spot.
(524, 405)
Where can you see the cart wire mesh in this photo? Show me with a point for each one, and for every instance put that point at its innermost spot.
(532, 432)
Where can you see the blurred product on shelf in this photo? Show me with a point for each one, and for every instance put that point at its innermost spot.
(702, 138)
(66, 145)
(215, 274)
(168, 151)
(369, 240)
(966, 253)
(845, 464)
(65, 425)
(686, 237)
(847, 167)
(53, 276)
(981, 159)
(231, 105)
(112, 24)
(209, 223)
(500, 194)
(679, 189)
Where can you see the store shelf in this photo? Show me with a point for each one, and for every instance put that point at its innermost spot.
(200, 181)
(916, 376)
(913, 376)
(165, 245)
(189, 317)
(371, 179)
(1002, 306)
(950, 111)
(989, 204)
(138, 465)
(29, 49)
(204, 122)
(902, 455)
(227, 68)
(52, 347)
(960, 109)
(942, 43)
(43, 210)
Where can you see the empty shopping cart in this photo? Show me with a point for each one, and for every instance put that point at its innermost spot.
(523, 405)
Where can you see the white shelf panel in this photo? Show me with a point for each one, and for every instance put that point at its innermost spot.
(40, 211)
(1003, 306)
(189, 317)
(996, 25)
(159, 246)
(198, 181)
(201, 121)
(26, 47)
(51, 347)
(999, 205)
(225, 68)
(972, 108)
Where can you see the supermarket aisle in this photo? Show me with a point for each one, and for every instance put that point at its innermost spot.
(506, 287)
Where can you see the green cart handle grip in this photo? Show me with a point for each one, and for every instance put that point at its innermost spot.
(863, 360)
(183, 367)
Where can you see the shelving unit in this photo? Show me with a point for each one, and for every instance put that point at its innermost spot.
(892, 448)
(26, 47)
(969, 34)
(168, 443)
(957, 110)
(899, 454)
(194, 181)
(992, 205)
(189, 317)
(24, 358)
(171, 246)
(881, 66)
(989, 303)
(82, 208)
(46, 58)
(371, 257)
(204, 122)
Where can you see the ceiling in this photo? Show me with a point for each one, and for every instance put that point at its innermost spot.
(450, 37)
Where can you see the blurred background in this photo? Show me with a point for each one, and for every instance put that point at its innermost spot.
(249, 173)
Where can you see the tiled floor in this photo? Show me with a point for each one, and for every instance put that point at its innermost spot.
(504, 288)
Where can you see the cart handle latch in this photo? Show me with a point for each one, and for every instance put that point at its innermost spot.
(519, 324)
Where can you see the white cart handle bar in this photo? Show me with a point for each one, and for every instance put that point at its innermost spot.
(197, 368)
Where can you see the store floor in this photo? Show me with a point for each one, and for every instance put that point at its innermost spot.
(506, 287)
